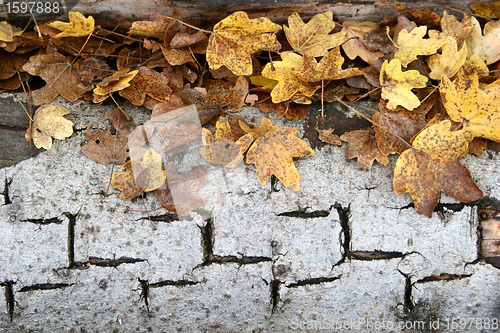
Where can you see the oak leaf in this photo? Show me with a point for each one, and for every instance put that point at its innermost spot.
(363, 145)
(272, 154)
(411, 44)
(478, 109)
(486, 47)
(431, 166)
(397, 85)
(313, 38)
(449, 62)
(48, 123)
(236, 38)
(178, 192)
(221, 148)
(139, 176)
(78, 26)
(288, 83)
(107, 148)
(329, 68)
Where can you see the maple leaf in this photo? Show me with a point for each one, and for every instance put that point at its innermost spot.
(139, 176)
(147, 82)
(178, 135)
(236, 38)
(460, 31)
(354, 47)
(411, 44)
(272, 155)
(486, 47)
(117, 81)
(449, 62)
(48, 123)
(7, 32)
(363, 145)
(313, 38)
(78, 26)
(155, 27)
(60, 76)
(104, 147)
(258, 131)
(329, 68)
(288, 83)
(178, 192)
(432, 166)
(464, 101)
(222, 149)
(491, 10)
(327, 136)
(397, 85)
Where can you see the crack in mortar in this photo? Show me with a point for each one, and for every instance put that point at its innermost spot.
(144, 293)
(53, 220)
(9, 296)
(443, 277)
(101, 262)
(6, 197)
(45, 286)
(345, 235)
(312, 281)
(301, 213)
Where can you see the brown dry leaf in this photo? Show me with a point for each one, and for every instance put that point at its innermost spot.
(78, 26)
(354, 47)
(204, 107)
(421, 17)
(178, 135)
(184, 39)
(313, 38)
(10, 62)
(178, 192)
(241, 89)
(478, 109)
(272, 154)
(397, 85)
(432, 166)
(48, 123)
(327, 136)
(221, 148)
(117, 81)
(405, 124)
(491, 10)
(329, 68)
(60, 76)
(155, 27)
(288, 83)
(104, 147)
(175, 102)
(176, 57)
(411, 44)
(93, 69)
(147, 82)
(236, 38)
(486, 47)
(477, 146)
(363, 145)
(139, 176)
(137, 139)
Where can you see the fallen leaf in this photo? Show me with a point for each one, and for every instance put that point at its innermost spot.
(449, 62)
(313, 38)
(178, 135)
(432, 166)
(272, 155)
(222, 148)
(411, 44)
(48, 123)
(139, 176)
(354, 46)
(178, 192)
(421, 17)
(491, 10)
(486, 47)
(363, 145)
(155, 27)
(397, 85)
(288, 83)
(329, 68)
(258, 131)
(78, 26)
(327, 136)
(236, 38)
(147, 82)
(117, 81)
(7, 32)
(107, 148)
(477, 109)
(460, 31)
(477, 146)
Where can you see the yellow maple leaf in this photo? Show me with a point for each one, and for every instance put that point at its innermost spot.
(464, 101)
(222, 149)
(397, 85)
(257, 131)
(431, 166)
(288, 83)
(78, 26)
(8, 31)
(313, 38)
(236, 38)
(486, 47)
(139, 176)
(272, 154)
(119, 80)
(411, 44)
(460, 31)
(48, 123)
(155, 27)
(354, 46)
(449, 62)
(329, 68)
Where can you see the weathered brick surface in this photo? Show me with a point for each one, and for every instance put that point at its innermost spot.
(344, 250)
